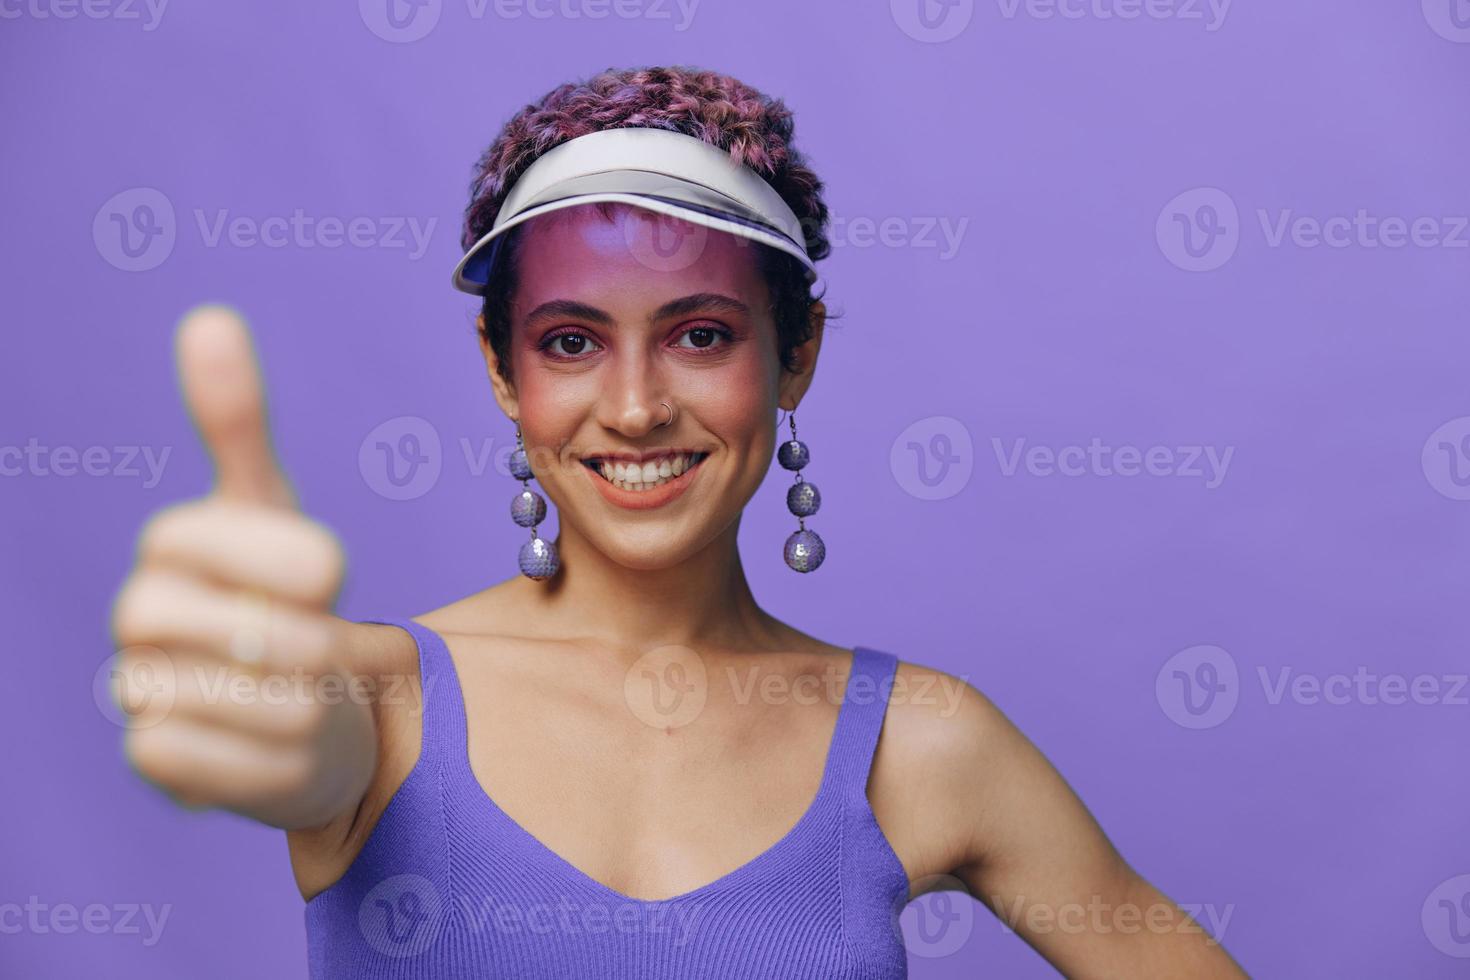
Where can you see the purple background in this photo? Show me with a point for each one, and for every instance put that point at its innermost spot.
(1333, 834)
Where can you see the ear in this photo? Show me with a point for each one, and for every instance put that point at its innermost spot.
(505, 392)
(793, 385)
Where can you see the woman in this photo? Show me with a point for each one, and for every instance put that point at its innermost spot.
(616, 763)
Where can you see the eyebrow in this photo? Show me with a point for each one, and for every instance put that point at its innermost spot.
(567, 309)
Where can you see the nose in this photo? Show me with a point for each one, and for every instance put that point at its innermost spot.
(630, 403)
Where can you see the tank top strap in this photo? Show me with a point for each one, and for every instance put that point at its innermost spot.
(444, 743)
(860, 719)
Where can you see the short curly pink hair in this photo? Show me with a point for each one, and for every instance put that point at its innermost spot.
(754, 128)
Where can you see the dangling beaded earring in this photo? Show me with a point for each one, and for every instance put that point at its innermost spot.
(804, 549)
(538, 556)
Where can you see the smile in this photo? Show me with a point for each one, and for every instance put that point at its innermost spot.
(642, 484)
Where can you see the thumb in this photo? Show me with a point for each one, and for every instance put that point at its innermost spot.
(222, 388)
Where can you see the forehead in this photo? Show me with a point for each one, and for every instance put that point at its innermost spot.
(621, 249)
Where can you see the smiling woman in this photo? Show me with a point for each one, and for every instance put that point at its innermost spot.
(599, 768)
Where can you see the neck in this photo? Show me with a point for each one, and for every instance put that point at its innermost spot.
(703, 602)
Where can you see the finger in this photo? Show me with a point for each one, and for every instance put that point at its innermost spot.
(222, 388)
(160, 606)
(283, 555)
(290, 707)
(203, 764)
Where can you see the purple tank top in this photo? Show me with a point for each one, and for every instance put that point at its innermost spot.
(449, 885)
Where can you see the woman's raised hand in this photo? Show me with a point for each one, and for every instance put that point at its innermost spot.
(232, 670)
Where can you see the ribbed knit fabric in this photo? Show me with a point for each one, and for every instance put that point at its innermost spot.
(449, 885)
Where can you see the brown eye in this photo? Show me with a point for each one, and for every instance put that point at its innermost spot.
(704, 338)
(567, 344)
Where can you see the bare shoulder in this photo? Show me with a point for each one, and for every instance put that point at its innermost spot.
(946, 754)
(385, 660)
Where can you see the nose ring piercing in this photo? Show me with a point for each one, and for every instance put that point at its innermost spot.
(671, 414)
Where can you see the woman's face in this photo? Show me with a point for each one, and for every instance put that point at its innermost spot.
(607, 323)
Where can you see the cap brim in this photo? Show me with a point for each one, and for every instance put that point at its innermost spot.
(656, 192)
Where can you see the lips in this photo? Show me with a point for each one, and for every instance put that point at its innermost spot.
(645, 472)
(624, 485)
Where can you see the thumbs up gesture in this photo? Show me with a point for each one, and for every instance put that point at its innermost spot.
(227, 613)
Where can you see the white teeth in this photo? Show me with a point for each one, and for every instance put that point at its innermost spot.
(645, 476)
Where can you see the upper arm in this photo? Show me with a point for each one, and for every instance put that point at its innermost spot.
(386, 658)
(1023, 843)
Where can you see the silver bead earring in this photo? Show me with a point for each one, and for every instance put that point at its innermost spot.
(538, 558)
(804, 549)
